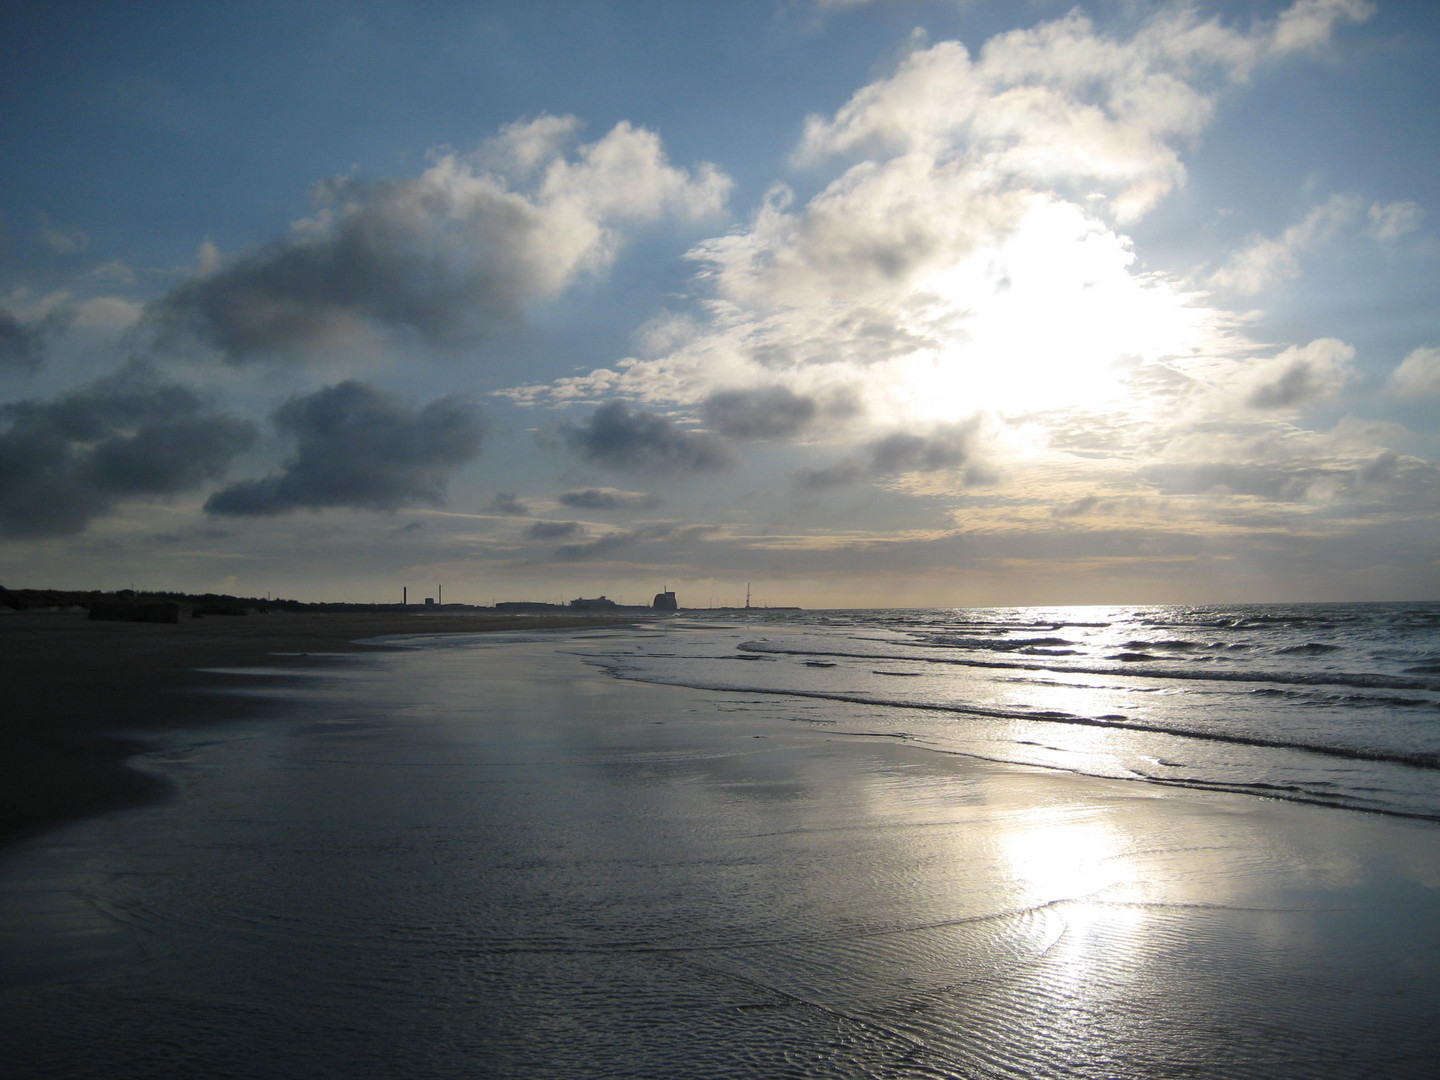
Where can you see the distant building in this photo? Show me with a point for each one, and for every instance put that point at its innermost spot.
(665, 601)
(599, 603)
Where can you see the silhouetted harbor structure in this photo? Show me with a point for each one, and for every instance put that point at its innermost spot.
(664, 601)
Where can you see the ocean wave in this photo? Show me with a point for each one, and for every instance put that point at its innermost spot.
(1363, 680)
(1413, 759)
(993, 644)
(1170, 645)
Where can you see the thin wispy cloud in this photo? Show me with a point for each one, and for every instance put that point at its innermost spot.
(608, 499)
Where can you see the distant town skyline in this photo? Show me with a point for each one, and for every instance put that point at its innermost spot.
(864, 302)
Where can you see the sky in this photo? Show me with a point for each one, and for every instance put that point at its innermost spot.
(861, 303)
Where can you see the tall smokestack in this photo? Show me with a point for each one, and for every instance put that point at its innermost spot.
(404, 595)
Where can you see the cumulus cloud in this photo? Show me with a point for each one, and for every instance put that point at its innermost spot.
(360, 447)
(67, 461)
(24, 336)
(1269, 260)
(554, 530)
(1418, 375)
(1308, 24)
(608, 498)
(966, 255)
(943, 447)
(1379, 470)
(448, 256)
(622, 438)
(507, 502)
(1301, 375)
(765, 412)
(1063, 104)
(20, 345)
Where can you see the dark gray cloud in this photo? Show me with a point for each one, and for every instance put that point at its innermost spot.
(602, 498)
(23, 341)
(620, 438)
(767, 412)
(554, 530)
(1381, 469)
(1080, 507)
(850, 471)
(1301, 374)
(67, 461)
(647, 535)
(387, 259)
(449, 256)
(360, 447)
(1275, 483)
(945, 446)
(507, 502)
(1298, 383)
(20, 346)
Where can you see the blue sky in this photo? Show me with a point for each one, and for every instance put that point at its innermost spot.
(866, 303)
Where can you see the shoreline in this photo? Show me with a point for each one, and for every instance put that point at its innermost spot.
(79, 695)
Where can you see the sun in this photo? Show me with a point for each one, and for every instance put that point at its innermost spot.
(1056, 317)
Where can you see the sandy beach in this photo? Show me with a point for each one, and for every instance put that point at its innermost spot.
(70, 684)
(490, 858)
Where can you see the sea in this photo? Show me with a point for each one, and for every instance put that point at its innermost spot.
(1334, 704)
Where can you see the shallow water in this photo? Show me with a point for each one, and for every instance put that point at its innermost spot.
(1337, 705)
(488, 859)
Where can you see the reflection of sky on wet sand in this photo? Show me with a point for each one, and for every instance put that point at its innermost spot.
(496, 851)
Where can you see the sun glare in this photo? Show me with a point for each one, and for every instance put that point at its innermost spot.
(1055, 318)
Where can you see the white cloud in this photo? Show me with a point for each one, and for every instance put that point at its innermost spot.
(1389, 221)
(1418, 375)
(1269, 260)
(112, 272)
(63, 239)
(449, 255)
(1063, 105)
(108, 314)
(1308, 24)
(1300, 375)
(965, 259)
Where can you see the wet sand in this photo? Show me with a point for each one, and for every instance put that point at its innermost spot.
(496, 860)
(69, 685)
